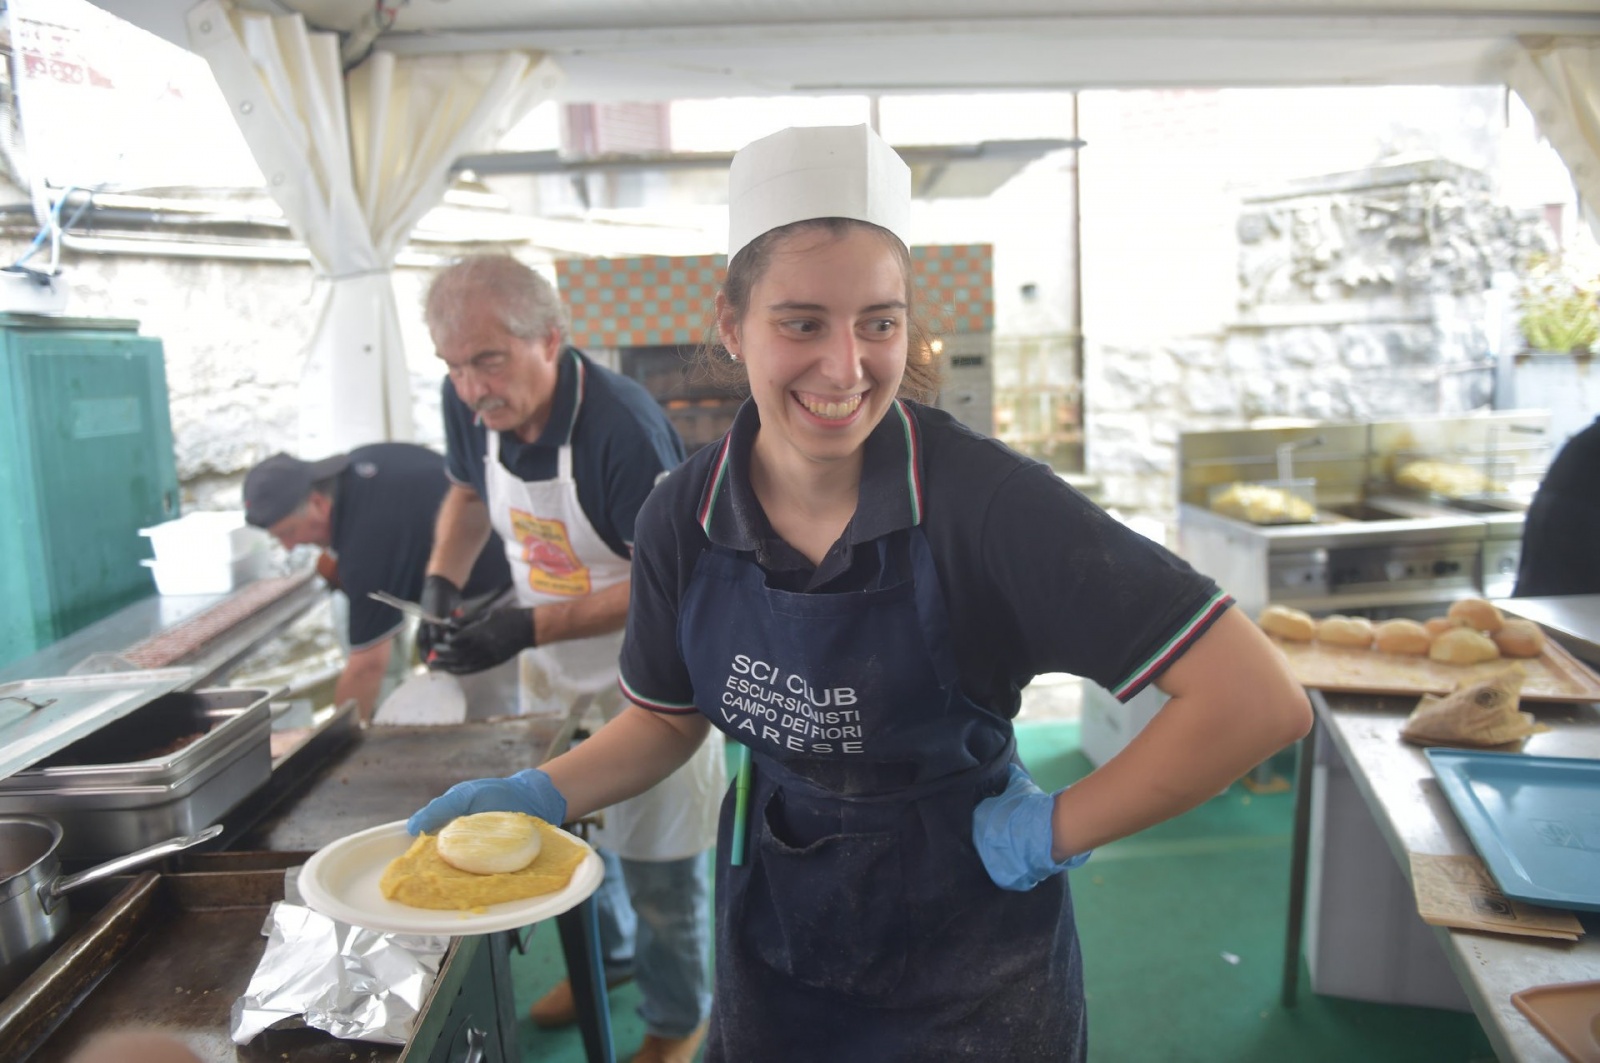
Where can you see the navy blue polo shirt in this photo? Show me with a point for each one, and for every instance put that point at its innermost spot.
(621, 444)
(1561, 533)
(1036, 578)
(384, 509)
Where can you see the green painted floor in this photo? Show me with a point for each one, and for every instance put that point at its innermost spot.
(1182, 929)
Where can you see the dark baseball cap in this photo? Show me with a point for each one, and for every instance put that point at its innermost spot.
(280, 485)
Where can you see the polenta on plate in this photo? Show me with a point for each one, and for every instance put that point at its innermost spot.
(421, 878)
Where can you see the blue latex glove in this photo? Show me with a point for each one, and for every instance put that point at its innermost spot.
(1013, 834)
(529, 791)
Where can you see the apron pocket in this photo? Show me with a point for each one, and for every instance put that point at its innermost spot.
(831, 913)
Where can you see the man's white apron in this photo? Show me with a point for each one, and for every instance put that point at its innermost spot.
(557, 556)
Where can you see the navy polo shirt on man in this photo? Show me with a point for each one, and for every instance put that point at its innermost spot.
(1035, 577)
(384, 509)
(621, 444)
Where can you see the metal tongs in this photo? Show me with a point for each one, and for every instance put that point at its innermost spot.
(411, 609)
(1284, 452)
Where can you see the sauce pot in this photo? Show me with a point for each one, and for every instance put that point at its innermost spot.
(33, 910)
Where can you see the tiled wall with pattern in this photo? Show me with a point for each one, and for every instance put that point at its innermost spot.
(658, 301)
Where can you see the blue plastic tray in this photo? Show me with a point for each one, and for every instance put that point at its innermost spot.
(1534, 820)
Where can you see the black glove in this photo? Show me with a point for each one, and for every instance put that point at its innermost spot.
(442, 599)
(487, 640)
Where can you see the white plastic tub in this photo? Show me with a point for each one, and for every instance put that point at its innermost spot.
(206, 575)
(213, 535)
(208, 552)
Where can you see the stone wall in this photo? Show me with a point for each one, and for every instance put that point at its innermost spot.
(234, 333)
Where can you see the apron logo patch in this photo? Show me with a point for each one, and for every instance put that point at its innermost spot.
(782, 709)
(553, 566)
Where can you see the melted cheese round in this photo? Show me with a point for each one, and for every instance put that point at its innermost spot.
(490, 843)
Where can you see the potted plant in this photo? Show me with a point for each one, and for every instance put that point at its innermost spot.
(1559, 307)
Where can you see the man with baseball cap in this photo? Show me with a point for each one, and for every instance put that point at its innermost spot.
(373, 511)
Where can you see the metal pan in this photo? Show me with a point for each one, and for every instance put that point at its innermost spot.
(33, 914)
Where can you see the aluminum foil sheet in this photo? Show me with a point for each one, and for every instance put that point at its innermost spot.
(353, 983)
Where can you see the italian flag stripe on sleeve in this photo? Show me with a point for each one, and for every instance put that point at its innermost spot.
(1174, 646)
(655, 704)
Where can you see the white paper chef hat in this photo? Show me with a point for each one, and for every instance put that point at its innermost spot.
(817, 172)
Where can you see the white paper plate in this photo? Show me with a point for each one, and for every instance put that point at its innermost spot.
(341, 881)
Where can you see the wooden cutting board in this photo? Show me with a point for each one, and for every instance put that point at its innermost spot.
(1555, 675)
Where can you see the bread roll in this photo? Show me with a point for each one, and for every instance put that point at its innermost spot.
(1405, 637)
(1288, 623)
(1462, 645)
(1477, 614)
(1345, 630)
(1445, 478)
(1438, 625)
(1260, 504)
(490, 843)
(1519, 638)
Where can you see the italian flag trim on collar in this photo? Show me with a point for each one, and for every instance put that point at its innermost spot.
(913, 441)
(719, 473)
(913, 460)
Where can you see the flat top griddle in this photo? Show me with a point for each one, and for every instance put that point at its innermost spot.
(387, 773)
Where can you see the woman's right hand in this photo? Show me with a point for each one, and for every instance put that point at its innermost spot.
(529, 791)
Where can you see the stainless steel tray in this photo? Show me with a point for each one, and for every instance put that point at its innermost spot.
(108, 805)
(39, 717)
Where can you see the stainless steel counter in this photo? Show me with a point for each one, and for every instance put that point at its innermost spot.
(1413, 815)
(1337, 565)
(1378, 545)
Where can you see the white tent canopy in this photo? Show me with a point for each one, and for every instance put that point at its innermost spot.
(682, 49)
(353, 208)
(354, 161)
(1559, 79)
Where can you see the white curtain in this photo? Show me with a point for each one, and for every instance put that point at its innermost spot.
(1559, 79)
(354, 161)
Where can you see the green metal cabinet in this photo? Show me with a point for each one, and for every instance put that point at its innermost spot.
(86, 460)
(470, 1016)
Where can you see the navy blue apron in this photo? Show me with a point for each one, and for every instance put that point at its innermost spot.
(861, 924)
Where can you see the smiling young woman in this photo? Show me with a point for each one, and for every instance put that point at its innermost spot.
(855, 588)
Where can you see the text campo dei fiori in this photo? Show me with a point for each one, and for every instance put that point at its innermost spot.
(783, 708)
